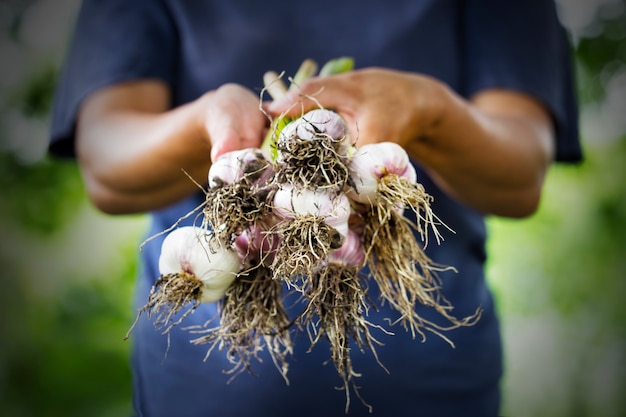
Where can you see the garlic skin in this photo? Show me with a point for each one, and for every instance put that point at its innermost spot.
(233, 166)
(254, 244)
(319, 122)
(351, 253)
(314, 123)
(189, 249)
(372, 162)
(290, 202)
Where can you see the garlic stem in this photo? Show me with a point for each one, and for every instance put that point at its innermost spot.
(274, 84)
(336, 66)
(307, 69)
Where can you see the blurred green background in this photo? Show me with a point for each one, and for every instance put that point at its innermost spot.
(67, 270)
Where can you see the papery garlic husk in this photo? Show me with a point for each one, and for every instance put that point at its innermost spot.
(291, 202)
(319, 122)
(194, 251)
(250, 165)
(383, 176)
(372, 163)
(255, 246)
(350, 253)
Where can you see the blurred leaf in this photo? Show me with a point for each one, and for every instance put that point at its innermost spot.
(39, 197)
(596, 52)
(68, 351)
(15, 10)
(35, 98)
(593, 265)
(559, 283)
(601, 56)
(573, 247)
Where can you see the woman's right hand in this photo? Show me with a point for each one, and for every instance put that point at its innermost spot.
(135, 152)
(232, 119)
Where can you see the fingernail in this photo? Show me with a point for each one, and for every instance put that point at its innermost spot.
(215, 152)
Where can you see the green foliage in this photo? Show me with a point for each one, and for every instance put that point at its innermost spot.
(574, 244)
(64, 354)
(593, 265)
(604, 48)
(561, 273)
(35, 98)
(601, 56)
(42, 196)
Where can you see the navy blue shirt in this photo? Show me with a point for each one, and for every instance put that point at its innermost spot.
(195, 46)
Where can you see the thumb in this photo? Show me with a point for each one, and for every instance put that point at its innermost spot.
(310, 95)
(283, 104)
(224, 139)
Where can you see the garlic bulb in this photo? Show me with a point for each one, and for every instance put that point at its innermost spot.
(351, 253)
(370, 163)
(254, 244)
(235, 165)
(290, 202)
(190, 249)
(316, 123)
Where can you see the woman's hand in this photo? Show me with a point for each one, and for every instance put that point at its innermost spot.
(377, 104)
(490, 152)
(232, 119)
(135, 152)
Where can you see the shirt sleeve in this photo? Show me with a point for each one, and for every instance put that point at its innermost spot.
(113, 41)
(522, 45)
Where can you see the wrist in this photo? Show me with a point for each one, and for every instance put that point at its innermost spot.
(198, 120)
(436, 104)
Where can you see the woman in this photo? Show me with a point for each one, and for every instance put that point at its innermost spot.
(481, 99)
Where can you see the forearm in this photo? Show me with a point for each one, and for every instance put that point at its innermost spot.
(135, 158)
(137, 155)
(487, 154)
